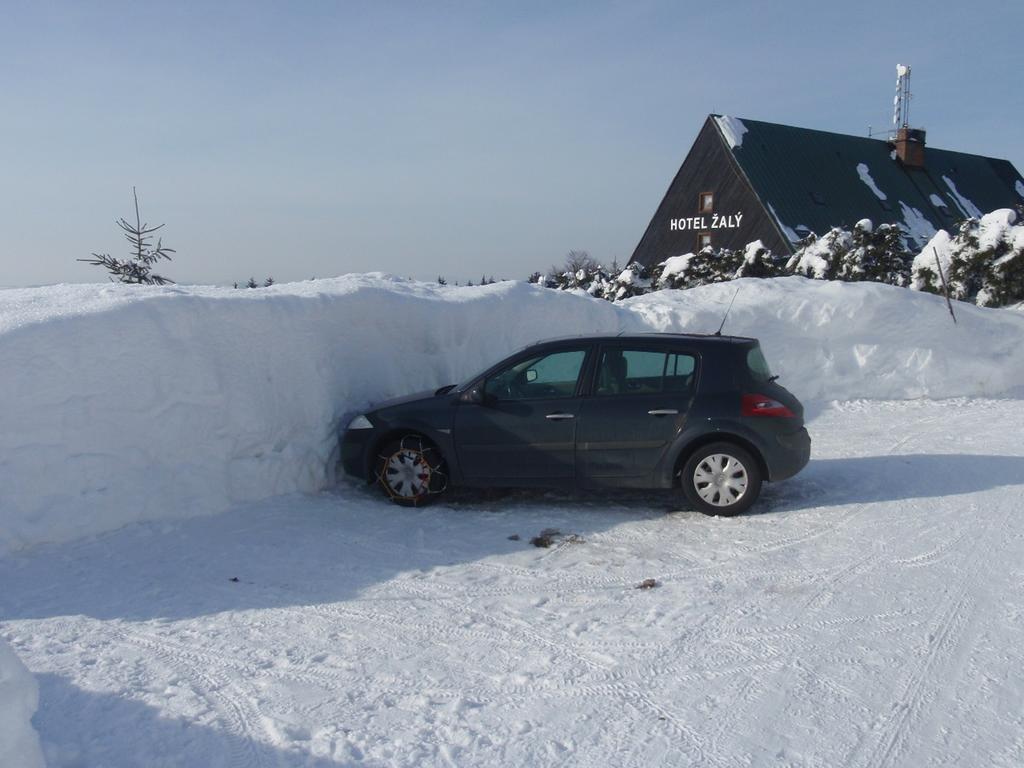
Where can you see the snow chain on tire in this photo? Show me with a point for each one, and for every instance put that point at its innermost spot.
(414, 448)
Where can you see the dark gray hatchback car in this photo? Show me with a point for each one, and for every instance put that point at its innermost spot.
(703, 413)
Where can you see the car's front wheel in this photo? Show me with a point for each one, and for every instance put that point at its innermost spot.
(411, 471)
(721, 479)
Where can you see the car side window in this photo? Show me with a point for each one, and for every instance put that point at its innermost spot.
(643, 372)
(679, 370)
(543, 377)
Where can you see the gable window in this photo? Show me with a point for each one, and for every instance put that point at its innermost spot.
(703, 240)
(705, 202)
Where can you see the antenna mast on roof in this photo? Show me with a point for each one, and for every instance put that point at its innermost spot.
(901, 104)
(727, 311)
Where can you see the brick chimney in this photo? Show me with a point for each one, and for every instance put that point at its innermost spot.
(910, 147)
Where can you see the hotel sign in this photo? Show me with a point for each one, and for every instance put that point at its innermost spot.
(705, 223)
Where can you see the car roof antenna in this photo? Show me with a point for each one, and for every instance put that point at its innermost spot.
(719, 331)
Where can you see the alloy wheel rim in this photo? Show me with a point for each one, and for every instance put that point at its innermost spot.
(720, 480)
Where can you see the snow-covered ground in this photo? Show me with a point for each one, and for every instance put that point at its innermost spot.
(19, 696)
(869, 613)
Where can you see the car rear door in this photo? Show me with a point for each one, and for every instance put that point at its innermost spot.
(524, 431)
(638, 404)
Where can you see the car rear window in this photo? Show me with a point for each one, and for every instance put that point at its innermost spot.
(757, 365)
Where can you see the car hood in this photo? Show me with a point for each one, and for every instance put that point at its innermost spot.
(428, 394)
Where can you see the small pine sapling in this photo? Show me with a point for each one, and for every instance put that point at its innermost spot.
(138, 269)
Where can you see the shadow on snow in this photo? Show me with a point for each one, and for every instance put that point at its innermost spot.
(297, 550)
(879, 479)
(80, 727)
(293, 550)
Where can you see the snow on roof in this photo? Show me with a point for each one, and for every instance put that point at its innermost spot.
(865, 176)
(732, 129)
(967, 208)
(937, 201)
(1020, 187)
(790, 233)
(917, 227)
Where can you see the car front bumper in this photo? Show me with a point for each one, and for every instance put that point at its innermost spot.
(355, 447)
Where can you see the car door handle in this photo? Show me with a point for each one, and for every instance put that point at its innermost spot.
(664, 412)
(560, 416)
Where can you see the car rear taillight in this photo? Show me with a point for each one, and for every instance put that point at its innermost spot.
(760, 405)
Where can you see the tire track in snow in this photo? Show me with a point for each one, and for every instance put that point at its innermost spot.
(919, 685)
(917, 688)
(235, 709)
(932, 555)
(755, 685)
(616, 680)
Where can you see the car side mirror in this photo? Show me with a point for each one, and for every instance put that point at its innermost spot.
(474, 396)
(531, 375)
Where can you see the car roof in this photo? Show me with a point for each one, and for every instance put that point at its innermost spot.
(707, 338)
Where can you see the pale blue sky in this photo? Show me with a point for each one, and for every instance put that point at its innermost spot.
(317, 138)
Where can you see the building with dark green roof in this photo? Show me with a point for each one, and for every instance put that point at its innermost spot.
(746, 180)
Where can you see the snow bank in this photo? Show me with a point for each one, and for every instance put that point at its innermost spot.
(122, 404)
(833, 340)
(19, 697)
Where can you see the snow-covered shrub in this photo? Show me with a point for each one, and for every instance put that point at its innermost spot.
(716, 266)
(759, 261)
(821, 257)
(634, 280)
(693, 269)
(876, 254)
(983, 263)
(1008, 287)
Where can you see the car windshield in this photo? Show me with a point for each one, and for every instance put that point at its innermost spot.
(757, 365)
(464, 385)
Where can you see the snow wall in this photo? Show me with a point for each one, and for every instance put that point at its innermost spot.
(122, 403)
(19, 697)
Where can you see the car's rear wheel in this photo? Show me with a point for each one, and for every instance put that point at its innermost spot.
(721, 479)
(411, 471)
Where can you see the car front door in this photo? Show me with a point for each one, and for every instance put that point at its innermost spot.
(639, 403)
(523, 429)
